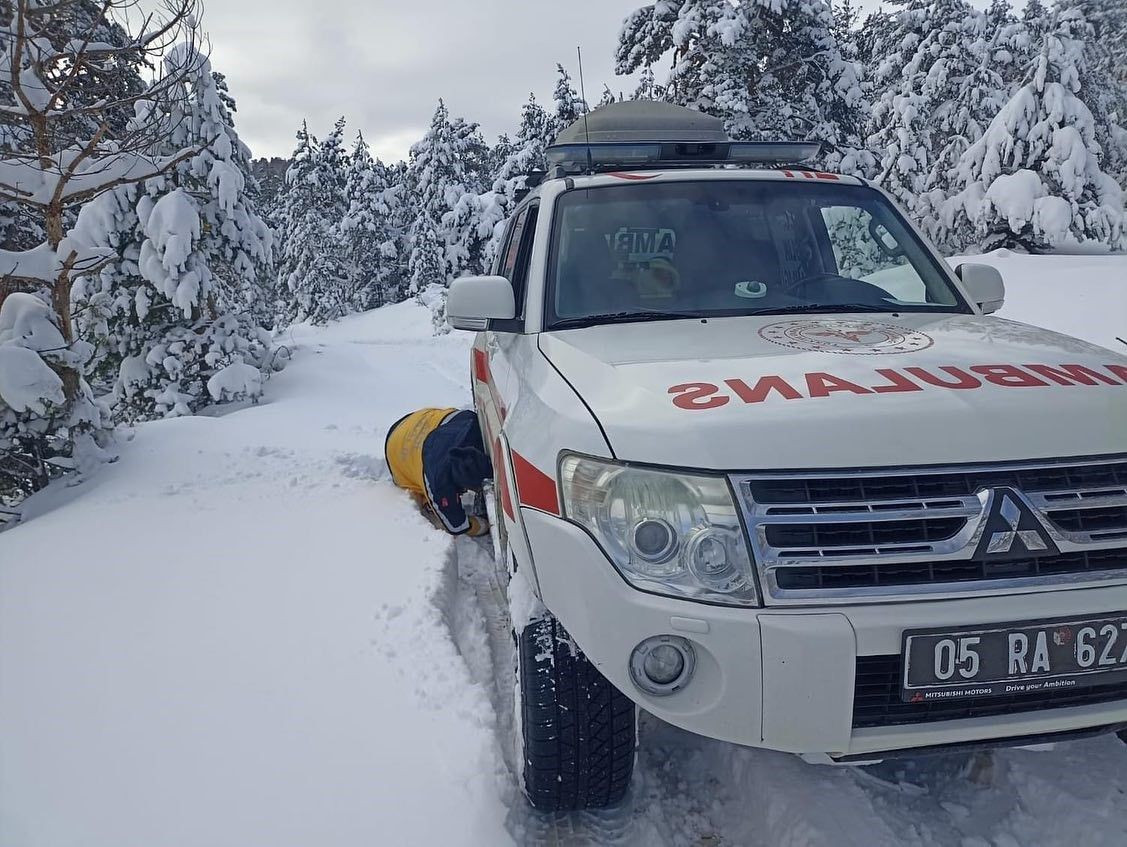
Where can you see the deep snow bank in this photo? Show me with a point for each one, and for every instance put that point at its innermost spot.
(227, 638)
(1084, 296)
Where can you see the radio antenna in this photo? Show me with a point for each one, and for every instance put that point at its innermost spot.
(586, 109)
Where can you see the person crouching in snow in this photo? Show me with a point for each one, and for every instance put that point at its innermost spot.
(438, 455)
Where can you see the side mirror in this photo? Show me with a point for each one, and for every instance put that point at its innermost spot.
(475, 300)
(984, 284)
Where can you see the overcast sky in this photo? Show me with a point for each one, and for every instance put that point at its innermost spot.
(383, 64)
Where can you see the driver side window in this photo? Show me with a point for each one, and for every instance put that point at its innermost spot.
(864, 249)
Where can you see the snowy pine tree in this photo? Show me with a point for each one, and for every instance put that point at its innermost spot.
(569, 105)
(1035, 18)
(770, 68)
(462, 226)
(608, 96)
(538, 129)
(1032, 28)
(526, 155)
(79, 123)
(1107, 77)
(870, 42)
(176, 316)
(313, 277)
(372, 258)
(979, 76)
(1034, 180)
(647, 89)
(443, 187)
(1005, 44)
(939, 89)
(999, 16)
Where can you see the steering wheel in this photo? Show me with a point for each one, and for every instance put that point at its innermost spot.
(788, 287)
(859, 288)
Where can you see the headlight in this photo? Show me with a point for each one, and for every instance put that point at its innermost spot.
(671, 533)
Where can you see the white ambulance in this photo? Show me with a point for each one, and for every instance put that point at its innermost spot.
(773, 475)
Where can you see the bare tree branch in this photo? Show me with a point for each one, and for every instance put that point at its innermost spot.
(87, 132)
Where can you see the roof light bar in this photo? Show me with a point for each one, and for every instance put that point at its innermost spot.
(573, 158)
(774, 152)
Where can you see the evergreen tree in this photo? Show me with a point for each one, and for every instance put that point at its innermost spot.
(1034, 25)
(869, 40)
(371, 253)
(427, 263)
(400, 218)
(938, 90)
(608, 96)
(1034, 180)
(999, 16)
(499, 152)
(313, 277)
(647, 89)
(175, 316)
(81, 122)
(236, 243)
(462, 226)
(1107, 77)
(770, 68)
(525, 156)
(569, 105)
(846, 16)
(976, 94)
(1005, 44)
(443, 187)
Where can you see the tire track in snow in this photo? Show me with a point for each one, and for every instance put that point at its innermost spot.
(691, 791)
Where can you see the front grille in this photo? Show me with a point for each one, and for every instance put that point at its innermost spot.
(920, 573)
(864, 535)
(890, 533)
(876, 698)
(1109, 520)
(895, 486)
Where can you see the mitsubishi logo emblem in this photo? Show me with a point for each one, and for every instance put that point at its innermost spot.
(1002, 542)
(1012, 528)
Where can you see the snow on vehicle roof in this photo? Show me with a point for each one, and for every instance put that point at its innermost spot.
(637, 135)
(642, 120)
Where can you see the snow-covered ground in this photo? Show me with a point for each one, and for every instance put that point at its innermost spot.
(1084, 296)
(261, 642)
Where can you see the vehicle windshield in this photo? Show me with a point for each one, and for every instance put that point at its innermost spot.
(715, 248)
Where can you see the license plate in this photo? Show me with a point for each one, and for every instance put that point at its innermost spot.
(1014, 658)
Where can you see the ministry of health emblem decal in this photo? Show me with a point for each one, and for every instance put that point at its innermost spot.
(865, 338)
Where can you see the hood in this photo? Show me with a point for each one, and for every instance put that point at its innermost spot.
(784, 392)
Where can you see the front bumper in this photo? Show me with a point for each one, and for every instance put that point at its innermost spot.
(784, 679)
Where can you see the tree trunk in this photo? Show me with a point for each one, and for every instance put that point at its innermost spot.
(53, 226)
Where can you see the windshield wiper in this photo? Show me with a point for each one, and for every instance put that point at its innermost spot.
(625, 317)
(827, 309)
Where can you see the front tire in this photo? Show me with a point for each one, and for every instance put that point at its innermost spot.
(577, 730)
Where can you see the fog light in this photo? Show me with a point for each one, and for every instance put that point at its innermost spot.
(662, 664)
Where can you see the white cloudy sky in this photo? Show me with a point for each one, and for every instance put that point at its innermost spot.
(384, 63)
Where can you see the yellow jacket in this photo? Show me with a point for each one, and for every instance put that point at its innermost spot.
(404, 448)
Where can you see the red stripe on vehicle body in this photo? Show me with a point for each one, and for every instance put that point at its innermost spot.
(624, 175)
(481, 366)
(534, 487)
(484, 375)
(501, 477)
